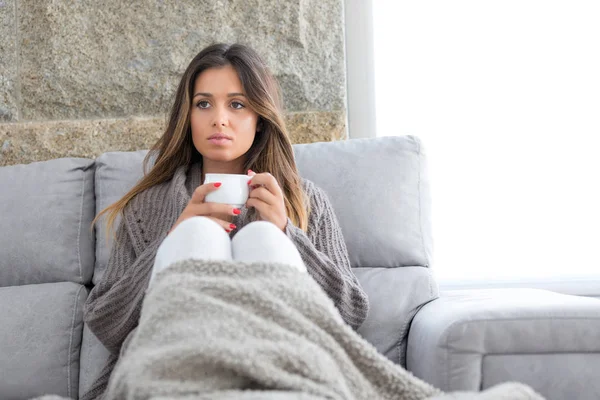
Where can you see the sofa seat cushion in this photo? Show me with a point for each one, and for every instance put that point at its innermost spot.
(94, 357)
(395, 296)
(40, 338)
(474, 339)
(47, 209)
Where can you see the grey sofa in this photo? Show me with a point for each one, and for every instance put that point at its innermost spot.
(50, 259)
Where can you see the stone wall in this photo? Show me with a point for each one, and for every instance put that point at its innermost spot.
(78, 78)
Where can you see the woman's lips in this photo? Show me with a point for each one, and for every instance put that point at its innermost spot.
(219, 140)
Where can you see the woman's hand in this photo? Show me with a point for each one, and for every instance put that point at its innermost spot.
(267, 198)
(197, 207)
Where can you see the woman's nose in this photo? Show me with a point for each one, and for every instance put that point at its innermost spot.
(220, 118)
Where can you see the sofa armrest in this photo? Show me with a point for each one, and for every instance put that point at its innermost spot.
(474, 339)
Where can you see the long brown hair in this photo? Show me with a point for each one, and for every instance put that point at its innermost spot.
(270, 152)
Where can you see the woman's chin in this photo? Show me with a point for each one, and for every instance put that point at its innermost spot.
(219, 156)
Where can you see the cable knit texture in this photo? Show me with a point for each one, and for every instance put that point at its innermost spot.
(112, 310)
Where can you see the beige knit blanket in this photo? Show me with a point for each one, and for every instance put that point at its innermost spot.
(229, 330)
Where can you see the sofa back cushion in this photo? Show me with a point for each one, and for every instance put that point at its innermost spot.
(47, 209)
(380, 193)
(378, 187)
(116, 174)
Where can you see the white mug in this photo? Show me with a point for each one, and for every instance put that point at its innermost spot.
(233, 190)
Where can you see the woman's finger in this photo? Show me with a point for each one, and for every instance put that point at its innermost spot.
(210, 208)
(266, 180)
(201, 210)
(264, 209)
(263, 194)
(228, 226)
(202, 190)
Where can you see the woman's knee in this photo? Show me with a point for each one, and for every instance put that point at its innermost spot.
(259, 231)
(198, 224)
(194, 238)
(195, 234)
(262, 241)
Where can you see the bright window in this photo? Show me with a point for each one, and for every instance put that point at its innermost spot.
(505, 96)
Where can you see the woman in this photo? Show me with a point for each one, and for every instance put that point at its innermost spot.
(226, 118)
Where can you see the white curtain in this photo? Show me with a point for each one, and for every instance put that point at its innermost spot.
(506, 98)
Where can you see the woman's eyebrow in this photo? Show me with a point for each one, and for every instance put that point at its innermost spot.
(210, 94)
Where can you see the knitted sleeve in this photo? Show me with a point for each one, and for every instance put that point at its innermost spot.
(324, 253)
(113, 307)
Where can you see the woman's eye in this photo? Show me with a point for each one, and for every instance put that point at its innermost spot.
(203, 104)
(237, 105)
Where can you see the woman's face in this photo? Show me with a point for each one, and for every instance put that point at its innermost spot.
(223, 126)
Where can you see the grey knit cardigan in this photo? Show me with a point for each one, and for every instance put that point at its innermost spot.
(112, 310)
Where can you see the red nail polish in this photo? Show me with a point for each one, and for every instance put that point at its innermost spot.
(250, 171)
(249, 182)
(232, 226)
(227, 230)
(217, 184)
(237, 211)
